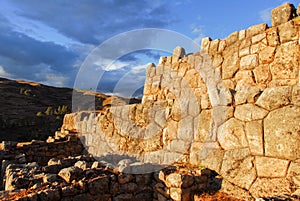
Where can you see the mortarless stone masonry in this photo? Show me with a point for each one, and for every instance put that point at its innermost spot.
(232, 107)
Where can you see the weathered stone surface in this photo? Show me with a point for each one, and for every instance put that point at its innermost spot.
(265, 187)
(125, 178)
(69, 122)
(243, 78)
(179, 146)
(205, 44)
(282, 14)
(70, 173)
(249, 112)
(296, 95)
(82, 165)
(202, 125)
(286, 62)
(178, 53)
(249, 62)
(294, 173)
(262, 73)
(259, 37)
(186, 129)
(214, 45)
(254, 133)
(175, 193)
(273, 98)
(49, 195)
(174, 180)
(256, 48)
(235, 191)
(256, 29)
(231, 135)
(267, 55)
(99, 184)
(230, 66)
(271, 167)
(217, 60)
(210, 156)
(272, 36)
(195, 152)
(54, 169)
(281, 133)
(246, 94)
(220, 114)
(232, 38)
(129, 187)
(238, 167)
(288, 32)
(69, 191)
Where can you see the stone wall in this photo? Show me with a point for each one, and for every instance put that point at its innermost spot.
(42, 151)
(233, 107)
(82, 178)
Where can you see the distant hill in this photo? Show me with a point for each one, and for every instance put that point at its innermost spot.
(30, 110)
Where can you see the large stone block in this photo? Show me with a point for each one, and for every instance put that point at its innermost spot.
(254, 133)
(179, 146)
(272, 37)
(281, 133)
(195, 152)
(273, 98)
(271, 167)
(249, 62)
(262, 73)
(235, 191)
(205, 44)
(231, 135)
(294, 173)
(232, 38)
(210, 155)
(288, 32)
(296, 95)
(256, 29)
(202, 125)
(268, 187)
(230, 66)
(267, 55)
(246, 94)
(220, 114)
(186, 129)
(258, 38)
(238, 167)
(282, 14)
(286, 62)
(249, 112)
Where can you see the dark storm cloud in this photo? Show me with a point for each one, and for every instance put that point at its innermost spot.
(23, 56)
(87, 23)
(92, 21)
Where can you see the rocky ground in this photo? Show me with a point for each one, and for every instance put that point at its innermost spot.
(77, 178)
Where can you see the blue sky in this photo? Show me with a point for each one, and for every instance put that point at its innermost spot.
(47, 41)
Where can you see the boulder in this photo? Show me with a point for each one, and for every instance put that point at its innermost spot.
(283, 14)
(70, 173)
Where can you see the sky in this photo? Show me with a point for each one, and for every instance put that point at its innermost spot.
(50, 41)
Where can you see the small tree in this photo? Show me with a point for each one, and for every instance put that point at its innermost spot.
(49, 111)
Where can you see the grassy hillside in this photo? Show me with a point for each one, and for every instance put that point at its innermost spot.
(34, 111)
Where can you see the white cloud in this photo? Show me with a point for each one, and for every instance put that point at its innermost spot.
(265, 15)
(3, 73)
(139, 69)
(55, 80)
(198, 31)
(110, 65)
